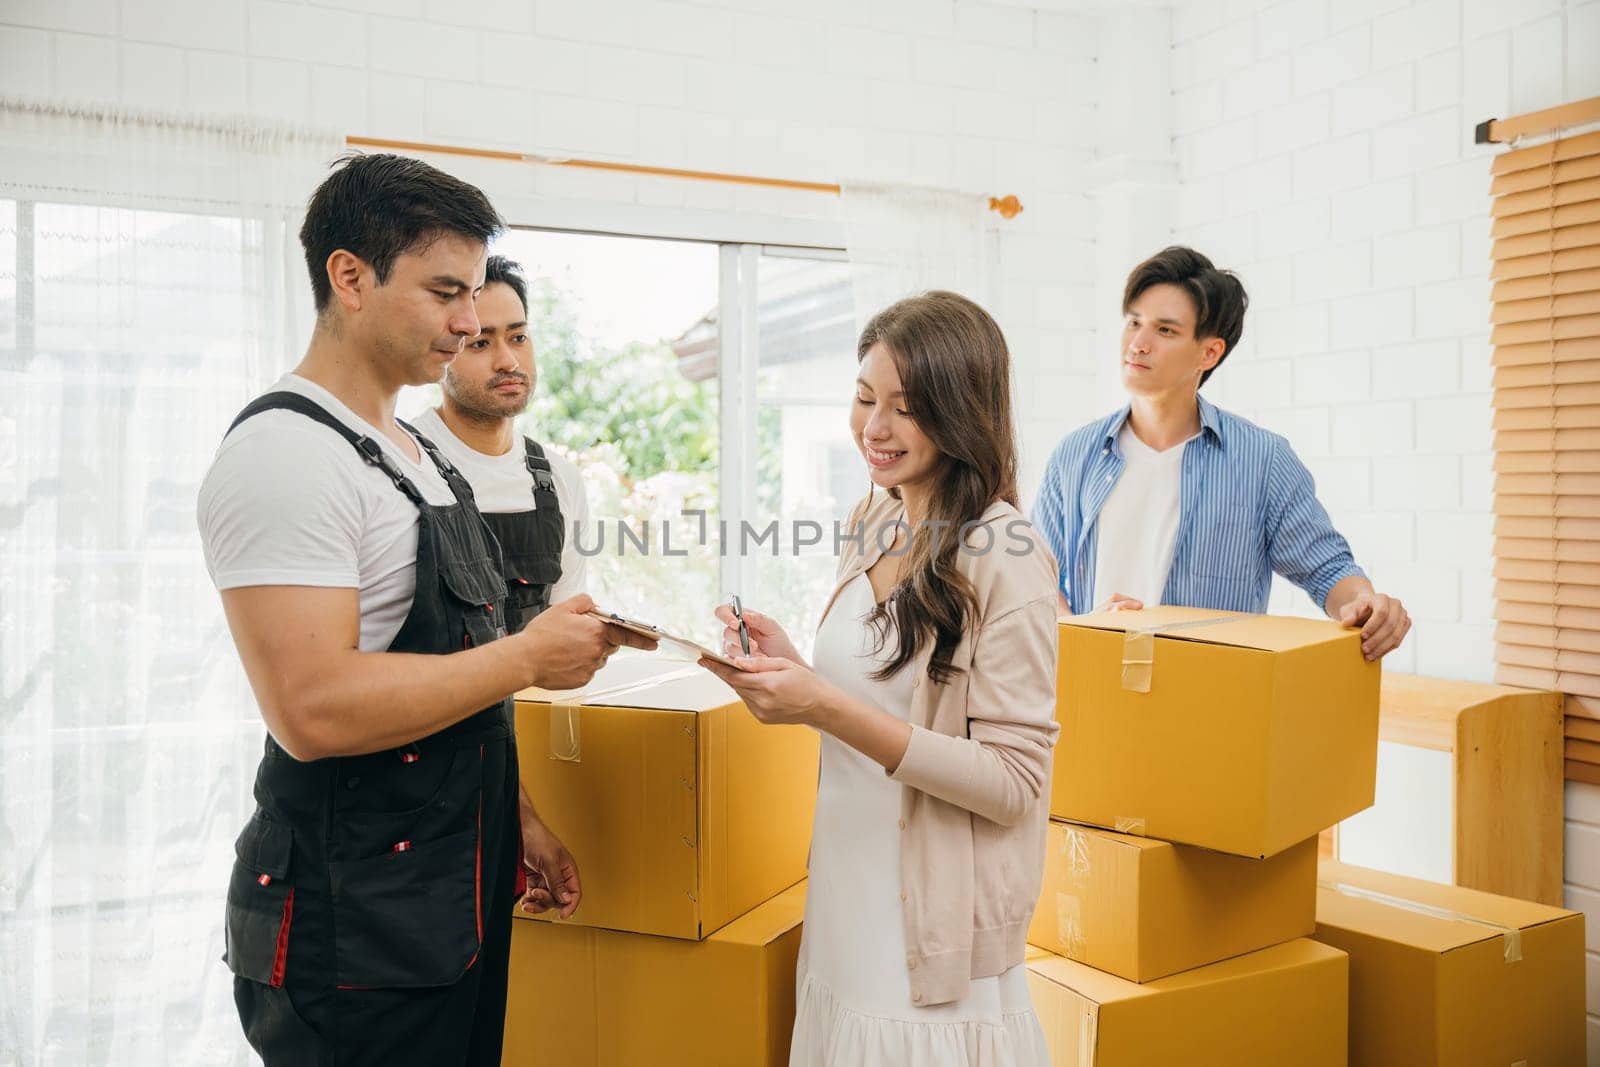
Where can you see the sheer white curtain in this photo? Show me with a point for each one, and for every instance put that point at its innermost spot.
(906, 239)
(150, 283)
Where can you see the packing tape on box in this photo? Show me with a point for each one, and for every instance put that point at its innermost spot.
(1129, 824)
(1069, 906)
(1139, 649)
(1069, 924)
(566, 734)
(1075, 846)
(566, 724)
(1511, 936)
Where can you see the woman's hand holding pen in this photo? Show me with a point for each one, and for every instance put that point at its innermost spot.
(777, 685)
(766, 636)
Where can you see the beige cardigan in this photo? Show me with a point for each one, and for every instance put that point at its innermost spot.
(977, 769)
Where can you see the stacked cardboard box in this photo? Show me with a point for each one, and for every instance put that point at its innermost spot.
(1200, 754)
(1443, 976)
(690, 822)
(1278, 1005)
(1142, 909)
(584, 995)
(1241, 733)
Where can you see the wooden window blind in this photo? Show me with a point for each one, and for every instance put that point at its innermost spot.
(1546, 337)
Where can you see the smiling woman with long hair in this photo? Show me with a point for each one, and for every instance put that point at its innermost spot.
(934, 691)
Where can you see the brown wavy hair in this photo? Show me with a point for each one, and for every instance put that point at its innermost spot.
(955, 370)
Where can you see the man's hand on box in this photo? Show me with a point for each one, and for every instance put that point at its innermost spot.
(552, 872)
(1383, 620)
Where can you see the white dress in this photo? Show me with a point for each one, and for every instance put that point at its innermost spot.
(853, 992)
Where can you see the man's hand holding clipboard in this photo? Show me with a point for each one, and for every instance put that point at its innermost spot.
(644, 629)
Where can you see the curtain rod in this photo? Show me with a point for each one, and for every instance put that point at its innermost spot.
(1577, 113)
(1008, 206)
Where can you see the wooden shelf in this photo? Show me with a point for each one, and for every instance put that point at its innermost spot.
(1504, 748)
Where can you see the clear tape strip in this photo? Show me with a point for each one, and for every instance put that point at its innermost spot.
(1069, 925)
(599, 696)
(1511, 936)
(1089, 1036)
(566, 735)
(1129, 824)
(1075, 846)
(1139, 649)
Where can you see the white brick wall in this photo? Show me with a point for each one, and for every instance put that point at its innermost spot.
(1377, 366)
(1582, 878)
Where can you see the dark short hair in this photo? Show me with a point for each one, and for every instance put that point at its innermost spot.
(1218, 295)
(381, 206)
(508, 272)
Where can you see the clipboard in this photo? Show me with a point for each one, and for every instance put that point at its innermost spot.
(655, 633)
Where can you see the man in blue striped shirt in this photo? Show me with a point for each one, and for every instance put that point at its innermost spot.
(1173, 500)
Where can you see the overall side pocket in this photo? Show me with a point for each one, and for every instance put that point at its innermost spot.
(260, 901)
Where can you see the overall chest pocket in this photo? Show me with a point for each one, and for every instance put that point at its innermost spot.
(478, 592)
(529, 578)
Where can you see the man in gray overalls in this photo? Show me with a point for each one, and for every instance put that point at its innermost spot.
(368, 916)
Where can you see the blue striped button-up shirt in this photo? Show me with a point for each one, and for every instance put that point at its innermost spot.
(1248, 507)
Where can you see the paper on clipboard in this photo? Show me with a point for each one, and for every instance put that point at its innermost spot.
(644, 629)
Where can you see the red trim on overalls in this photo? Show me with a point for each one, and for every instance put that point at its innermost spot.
(477, 860)
(477, 874)
(520, 877)
(280, 957)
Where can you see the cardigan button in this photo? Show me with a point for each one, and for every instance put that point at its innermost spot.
(916, 996)
(902, 824)
(912, 963)
(916, 680)
(903, 899)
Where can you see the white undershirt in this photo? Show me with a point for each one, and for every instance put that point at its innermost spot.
(288, 501)
(1138, 524)
(502, 484)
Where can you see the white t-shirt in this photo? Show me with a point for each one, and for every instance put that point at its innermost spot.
(287, 501)
(1138, 524)
(503, 484)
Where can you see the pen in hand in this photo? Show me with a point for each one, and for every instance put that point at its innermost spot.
(738, 613)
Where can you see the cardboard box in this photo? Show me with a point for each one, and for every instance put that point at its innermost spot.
(1441, 975)
(1241, 733)
(601, 998)
(1280, 1005)
(1142, 909)
(682, 811)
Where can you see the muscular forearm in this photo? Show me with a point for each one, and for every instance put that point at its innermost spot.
(360, 702)
(1344, 591)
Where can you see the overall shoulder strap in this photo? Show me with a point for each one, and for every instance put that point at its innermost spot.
(452, 474)
(369, 449)
(544, 479)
